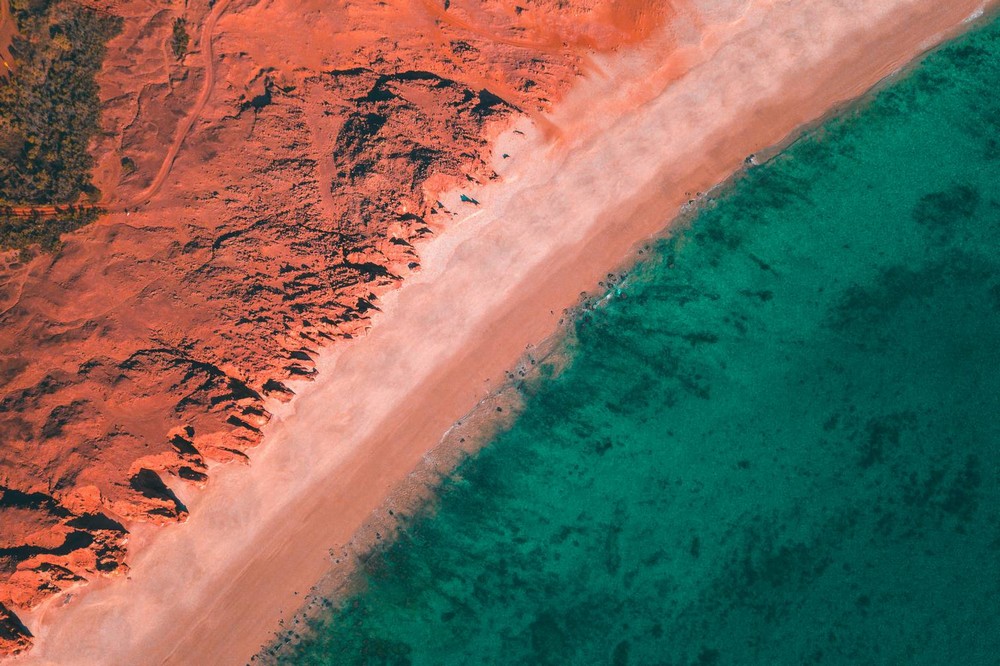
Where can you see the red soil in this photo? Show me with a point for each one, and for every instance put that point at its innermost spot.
(283, 171)
(7, 32)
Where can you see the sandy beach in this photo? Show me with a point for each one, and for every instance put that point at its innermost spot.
(640, 136)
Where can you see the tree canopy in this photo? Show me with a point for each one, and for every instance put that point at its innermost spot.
(50, 108)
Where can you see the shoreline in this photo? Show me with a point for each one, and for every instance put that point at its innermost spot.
(436, 388)
(416, 496)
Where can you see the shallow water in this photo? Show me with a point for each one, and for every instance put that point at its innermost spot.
(778, 443)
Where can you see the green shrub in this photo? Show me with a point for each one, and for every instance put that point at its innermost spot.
(49, 111)
(181, 39)
(128, 167)
(21, 232)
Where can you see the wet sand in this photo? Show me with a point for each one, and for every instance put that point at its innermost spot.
(638, 138)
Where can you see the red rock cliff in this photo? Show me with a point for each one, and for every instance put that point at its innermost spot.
(270, 186)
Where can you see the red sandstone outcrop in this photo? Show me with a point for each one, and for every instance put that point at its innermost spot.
(308, 162)
(14, 636)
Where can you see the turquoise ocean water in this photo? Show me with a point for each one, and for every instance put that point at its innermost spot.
(779, 443)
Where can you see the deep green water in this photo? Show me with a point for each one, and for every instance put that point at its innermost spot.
(779, 445)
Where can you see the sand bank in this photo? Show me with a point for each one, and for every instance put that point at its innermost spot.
(638, 138)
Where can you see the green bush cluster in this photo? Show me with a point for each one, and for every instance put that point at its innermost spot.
(181, 39)
(21, 232)
(50, 112)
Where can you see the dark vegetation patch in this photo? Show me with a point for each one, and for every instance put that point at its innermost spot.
(180, 39)
(20, 232)
(49, 112)
(128, 166)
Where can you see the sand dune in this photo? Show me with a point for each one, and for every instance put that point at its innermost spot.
(636, 139)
